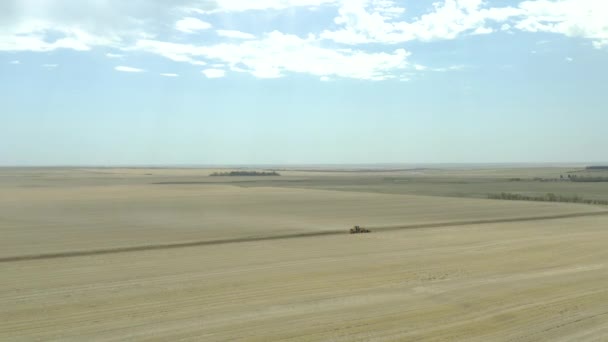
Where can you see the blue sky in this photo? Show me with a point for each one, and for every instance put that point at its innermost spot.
(111, 82)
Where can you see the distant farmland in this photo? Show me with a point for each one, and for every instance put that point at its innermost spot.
(244, 173)
(170, 254)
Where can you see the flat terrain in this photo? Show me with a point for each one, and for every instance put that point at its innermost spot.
(434, 268)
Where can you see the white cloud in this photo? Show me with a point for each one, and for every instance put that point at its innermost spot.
(169, 74)
(482, 30)
(33, 25)
(572, 18)
(50, 66)
(277, 54)
(15, 62)
(41, 26)
(37, 41)
(214, 73)
(450, 68)
(367, 21)
(248, 5)
(191, 25)
(374, 21)
(324, 79)
(114, 55)
(176, 52)
(234, 34)
(598, 44)
(569, 59)
(127, 69)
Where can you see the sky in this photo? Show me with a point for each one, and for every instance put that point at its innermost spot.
(198, 82)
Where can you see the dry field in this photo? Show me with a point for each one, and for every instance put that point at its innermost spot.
(105, 256)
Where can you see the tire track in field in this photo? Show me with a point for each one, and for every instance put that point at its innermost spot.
(126, 249)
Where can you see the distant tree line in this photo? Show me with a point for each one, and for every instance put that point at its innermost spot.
(590, 179)
(245, 173)
(550, 197)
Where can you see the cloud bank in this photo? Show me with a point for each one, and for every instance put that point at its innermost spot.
(127, 69)
(365, 39)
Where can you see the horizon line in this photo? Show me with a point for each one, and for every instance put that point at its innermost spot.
(249, 165)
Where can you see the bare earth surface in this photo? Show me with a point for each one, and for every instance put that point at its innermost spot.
(527, 280)
(52, 220)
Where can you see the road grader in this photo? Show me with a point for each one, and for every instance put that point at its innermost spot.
(359, 230)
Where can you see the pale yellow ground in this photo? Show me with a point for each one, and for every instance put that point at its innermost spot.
(37, 220)
(538, 281)
(521, 281)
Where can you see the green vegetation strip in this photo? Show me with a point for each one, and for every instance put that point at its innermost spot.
(588, 179)
(69, 254)
(244, 173)
(550, 197)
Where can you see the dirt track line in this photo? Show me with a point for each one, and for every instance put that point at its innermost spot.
(69, 254)
(505, 220)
